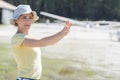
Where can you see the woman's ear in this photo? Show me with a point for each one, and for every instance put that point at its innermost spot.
(16, 22)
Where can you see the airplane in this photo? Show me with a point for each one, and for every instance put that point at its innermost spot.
(104, 25)
(62, 18)
(82, 23)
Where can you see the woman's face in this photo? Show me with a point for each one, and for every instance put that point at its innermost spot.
(24, 21)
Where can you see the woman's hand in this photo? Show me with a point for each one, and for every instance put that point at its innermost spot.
(67, 27)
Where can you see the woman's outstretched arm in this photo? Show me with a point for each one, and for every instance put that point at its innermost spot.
(29, 42)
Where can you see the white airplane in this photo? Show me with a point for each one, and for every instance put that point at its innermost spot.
(62, 18)
(104, 25)
(101, 23)
(80, 23)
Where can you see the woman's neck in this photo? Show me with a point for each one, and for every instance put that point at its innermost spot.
(24, 32)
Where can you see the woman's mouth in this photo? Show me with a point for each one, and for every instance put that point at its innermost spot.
(27, 26)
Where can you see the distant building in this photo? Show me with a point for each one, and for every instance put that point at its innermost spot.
(6, 12)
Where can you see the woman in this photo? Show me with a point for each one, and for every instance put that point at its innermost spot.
(26, 48)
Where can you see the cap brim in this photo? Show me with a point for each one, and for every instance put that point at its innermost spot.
(35, 17)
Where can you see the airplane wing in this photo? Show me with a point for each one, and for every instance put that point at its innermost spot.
(62, 18)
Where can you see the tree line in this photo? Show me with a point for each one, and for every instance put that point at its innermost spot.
(76, 9)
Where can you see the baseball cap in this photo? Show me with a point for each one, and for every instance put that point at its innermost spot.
(23, 9)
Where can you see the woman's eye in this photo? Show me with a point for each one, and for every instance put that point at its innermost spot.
(31, 17)
(23, 17)
(26, 17)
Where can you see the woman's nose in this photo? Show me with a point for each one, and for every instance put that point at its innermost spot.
(28, 20)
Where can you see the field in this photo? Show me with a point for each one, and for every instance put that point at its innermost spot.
(84, 54)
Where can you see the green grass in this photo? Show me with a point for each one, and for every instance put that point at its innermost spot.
(57, 69)
(53, 68)
(7, 64)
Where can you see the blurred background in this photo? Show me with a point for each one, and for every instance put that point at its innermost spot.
(75, 9)
(91, 51)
